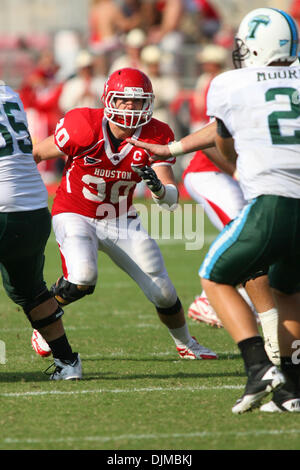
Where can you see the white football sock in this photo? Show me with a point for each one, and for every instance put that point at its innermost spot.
(269, 324)
(181, 336)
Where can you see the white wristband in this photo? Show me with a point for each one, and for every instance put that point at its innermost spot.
(176, 148)
(170, 198)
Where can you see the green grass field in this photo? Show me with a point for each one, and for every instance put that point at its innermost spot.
(136, 393)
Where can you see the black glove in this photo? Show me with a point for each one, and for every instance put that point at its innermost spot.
(149, 176)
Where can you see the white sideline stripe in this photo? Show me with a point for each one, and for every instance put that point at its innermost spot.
(122, 390)
(202, 434)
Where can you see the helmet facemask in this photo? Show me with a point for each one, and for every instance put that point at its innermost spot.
(240, 53)
(129, 118)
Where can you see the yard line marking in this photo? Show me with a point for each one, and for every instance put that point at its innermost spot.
(92, 327)
(28, 328)
(127, 356)
(201, 434)
(86, 327)
(122, 390)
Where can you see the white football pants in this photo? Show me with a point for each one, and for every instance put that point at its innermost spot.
(125, 241)
(218, 193)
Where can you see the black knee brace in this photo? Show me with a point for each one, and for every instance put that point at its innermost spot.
(170, 310)
(66, 292)
(53, 317)
(38, 300)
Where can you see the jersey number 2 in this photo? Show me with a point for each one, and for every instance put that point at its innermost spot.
(293, 113)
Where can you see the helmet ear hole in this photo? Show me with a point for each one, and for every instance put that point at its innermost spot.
(255, 53)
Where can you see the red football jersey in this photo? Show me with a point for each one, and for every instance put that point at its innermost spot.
(200, 162)
(98, 181)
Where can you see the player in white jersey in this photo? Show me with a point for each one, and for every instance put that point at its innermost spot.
(258, 123)
(25, 225)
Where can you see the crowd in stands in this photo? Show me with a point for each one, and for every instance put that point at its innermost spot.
(59, 72)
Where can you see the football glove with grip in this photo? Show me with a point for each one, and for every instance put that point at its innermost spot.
(149, 176)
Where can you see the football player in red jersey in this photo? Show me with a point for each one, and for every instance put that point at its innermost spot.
(93, 207)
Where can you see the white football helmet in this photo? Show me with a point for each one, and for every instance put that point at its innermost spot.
(265, 35)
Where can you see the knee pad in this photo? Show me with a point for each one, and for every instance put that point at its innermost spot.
(66, 292)
(173, 310)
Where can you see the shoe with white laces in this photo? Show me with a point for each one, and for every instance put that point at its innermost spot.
(39, 344)
(262, 380)
(194, 350)
(67, 370)
(201, 310)
(284, 399)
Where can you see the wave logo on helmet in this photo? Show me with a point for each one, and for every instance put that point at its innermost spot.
(255, 23)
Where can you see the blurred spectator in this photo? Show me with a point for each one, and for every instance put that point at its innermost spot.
(107, 23)
(225, 36)
(201, 21)
(294, 11)
(40, 95)
(134, 42)
(85, 88)
(131, 9)
(16, 59)
(212, 60)
(162, 23)
(66, 46)
(189, 106)
(163, 18)
(47, 63)
(210, 21)
(165, 87)
(101, 64)
(166, 30)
